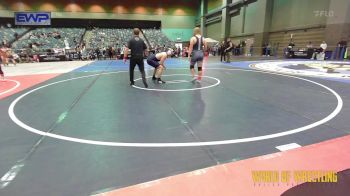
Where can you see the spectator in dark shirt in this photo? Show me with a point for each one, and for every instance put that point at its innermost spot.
(222, 51)
(342, 44)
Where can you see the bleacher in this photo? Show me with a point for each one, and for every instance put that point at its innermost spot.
(44, 38)
(108, 37)
(39, 40)
(105, 37)
(157, 38)
(8, 34)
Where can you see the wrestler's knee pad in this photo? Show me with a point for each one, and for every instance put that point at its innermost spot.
(199, 68)
(191, 66)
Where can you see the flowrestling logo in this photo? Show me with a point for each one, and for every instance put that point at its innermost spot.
(331, 69)
(33, 18)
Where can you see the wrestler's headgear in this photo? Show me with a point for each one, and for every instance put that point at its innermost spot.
(169, 52)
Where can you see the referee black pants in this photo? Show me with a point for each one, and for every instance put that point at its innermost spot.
(139, 62)
(222, 56)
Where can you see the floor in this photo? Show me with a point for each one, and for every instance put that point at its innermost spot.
(78, 128)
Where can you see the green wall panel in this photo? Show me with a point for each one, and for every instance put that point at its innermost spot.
(236, 25)
(297, 13)
(251, 17)
(214, 4)
(183, 34)
(214, 30)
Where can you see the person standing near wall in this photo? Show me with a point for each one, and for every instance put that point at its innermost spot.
(137, 47)
(222, 51)
(1, 72)
(228, 50)
(11, 57)
(2, 58)
(342, 44)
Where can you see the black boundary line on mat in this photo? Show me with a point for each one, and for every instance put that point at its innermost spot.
(12, 173)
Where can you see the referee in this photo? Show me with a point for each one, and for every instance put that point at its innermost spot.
(137, 47)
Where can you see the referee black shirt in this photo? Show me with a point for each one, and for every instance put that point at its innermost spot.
(137, 46)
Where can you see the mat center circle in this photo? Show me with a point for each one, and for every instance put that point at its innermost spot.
(27, 127)
(206, 82)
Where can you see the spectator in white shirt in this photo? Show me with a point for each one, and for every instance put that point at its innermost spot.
(323, 46)
(320, 51)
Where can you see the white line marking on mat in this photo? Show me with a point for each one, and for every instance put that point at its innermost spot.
(288, 146)
(334, 113)
(11, 89)
(177, 90)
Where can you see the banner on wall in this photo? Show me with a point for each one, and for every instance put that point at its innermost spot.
(33, 18)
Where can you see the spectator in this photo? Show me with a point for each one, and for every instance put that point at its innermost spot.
(228, 50)
(309, 45)
(98, 53)
(342, 44)
(321, 51)
(222, 51)
(323, 46)
(291, 45)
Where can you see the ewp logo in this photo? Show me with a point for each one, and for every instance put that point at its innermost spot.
(33, 18)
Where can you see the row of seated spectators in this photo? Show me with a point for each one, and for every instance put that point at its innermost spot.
(106, 37)
(44, 35)
(44, 38)
(157, 38)
(104, 42)
(9, 34)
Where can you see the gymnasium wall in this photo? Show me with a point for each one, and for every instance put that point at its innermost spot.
(338, 25)
(177, 17)
(214, 31)
(298, 13)
(275, 20)
(252, 13)
(247, 21)
(236, 25)
(214, 4)
(286, 14)
(154, 7)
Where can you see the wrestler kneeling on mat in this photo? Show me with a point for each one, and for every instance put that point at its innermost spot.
(157, 61)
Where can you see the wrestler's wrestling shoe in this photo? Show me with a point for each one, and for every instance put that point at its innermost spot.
(160, 81)
(193, 80)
